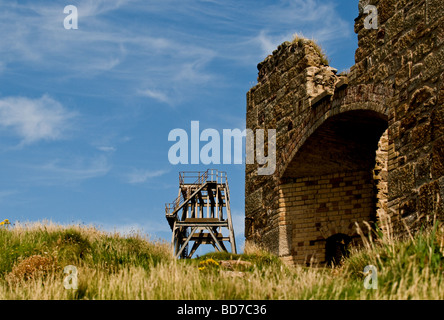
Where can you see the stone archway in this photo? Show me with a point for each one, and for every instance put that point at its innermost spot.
(397, 76)
(329, 184)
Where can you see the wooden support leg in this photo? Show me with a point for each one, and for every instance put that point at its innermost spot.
(186, 242)
(216, 242)
(194, 248)
(173, 240)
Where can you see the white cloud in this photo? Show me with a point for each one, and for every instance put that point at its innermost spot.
(149, 228)
(141, 175)
(59, 172)
(6, 193)
(132, 52)
(156, 95)
(106, 149)
(168, 63)
(314, 19)
(33, 33)
(98, 7)
(34, 119)
(268, 43)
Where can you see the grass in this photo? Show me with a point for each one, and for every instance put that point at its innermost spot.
(111, 266)
(301, 40)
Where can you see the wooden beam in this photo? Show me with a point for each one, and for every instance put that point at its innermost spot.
(186, 242)
(230, 219)
(219, 247)
(211, 197)
(190, 197)
(202, 204)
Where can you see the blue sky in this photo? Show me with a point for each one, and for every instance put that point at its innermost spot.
(85, 114)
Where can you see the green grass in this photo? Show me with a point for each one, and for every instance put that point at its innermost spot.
(76, 245)
(111, 266)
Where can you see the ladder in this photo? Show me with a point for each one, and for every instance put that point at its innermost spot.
(200, 212)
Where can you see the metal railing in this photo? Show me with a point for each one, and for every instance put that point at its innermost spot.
(200, 177)
(197, 178)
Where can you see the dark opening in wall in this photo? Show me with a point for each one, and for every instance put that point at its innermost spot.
(336, 248)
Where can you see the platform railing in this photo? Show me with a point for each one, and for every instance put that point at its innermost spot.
(198, 178)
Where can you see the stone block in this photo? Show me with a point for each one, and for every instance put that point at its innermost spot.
(433, 63)
(401, 181)
(438, 159)
(395, 25)
(421, 134)
(434, 10)
(386, 9)
(253, 201)
(423, 170)
(430, 201)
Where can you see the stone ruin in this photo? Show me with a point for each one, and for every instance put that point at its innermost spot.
(352, 149)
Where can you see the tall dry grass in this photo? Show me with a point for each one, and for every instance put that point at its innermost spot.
(112, 266)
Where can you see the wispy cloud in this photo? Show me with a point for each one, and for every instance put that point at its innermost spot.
(165, 63)
(34, 33)
(135, 54)
(142, 175)
(151, 228)
(99, 7)
(267, 42)
(314, 19)
(106, 149)
(34, 119)
(65, 172)
(156, 95)
(6, 193)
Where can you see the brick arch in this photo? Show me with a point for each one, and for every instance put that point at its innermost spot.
(338, 227)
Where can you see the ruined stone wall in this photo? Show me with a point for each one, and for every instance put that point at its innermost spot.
(332, 126)
(286, 87)
(406, 53)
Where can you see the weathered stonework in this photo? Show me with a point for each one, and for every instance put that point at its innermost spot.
(351, 148)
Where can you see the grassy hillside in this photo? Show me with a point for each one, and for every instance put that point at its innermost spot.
(110, 266)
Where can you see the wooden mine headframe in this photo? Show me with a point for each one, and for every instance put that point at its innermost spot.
(197, 214)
